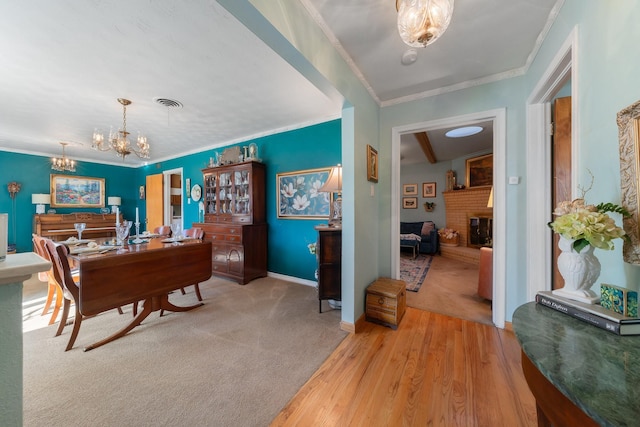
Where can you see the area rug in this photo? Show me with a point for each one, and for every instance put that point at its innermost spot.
(414, 271)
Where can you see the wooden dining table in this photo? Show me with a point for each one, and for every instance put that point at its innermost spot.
(145, 272)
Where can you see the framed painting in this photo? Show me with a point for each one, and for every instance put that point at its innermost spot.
(480, 171)
(428, 189)
(298, 195)
(76, 192)
(410, 190)
(410, 203)
(141, 192)
(372, 164)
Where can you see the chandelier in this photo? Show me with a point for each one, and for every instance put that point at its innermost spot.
(119, 141)
(63, 163)
(422, 22)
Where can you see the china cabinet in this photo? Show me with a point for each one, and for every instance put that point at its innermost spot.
(235, 220)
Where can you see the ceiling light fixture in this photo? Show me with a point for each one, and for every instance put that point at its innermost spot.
(63, 163)
(422, 22)
(463, 131)
(119, 141)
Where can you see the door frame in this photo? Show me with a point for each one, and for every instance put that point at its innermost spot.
(563, 67)
(498, 117)
(167, 195)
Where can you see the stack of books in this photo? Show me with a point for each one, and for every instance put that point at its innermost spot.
(593, 314)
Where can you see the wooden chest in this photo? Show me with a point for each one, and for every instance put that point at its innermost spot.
(386, 302)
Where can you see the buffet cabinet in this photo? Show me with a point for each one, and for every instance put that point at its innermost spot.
(329, 254)
(235, 220)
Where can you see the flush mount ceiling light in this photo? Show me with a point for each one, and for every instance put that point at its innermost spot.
(119, 141)
(422, 22)
(62, 164)
(464, 131)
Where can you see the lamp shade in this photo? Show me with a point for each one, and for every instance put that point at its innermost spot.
(41, 199)
(490, 201)
(114, 201)
(334, 182)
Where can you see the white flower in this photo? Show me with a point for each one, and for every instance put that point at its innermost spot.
(315, 186)
(288, 190)
(300, 203)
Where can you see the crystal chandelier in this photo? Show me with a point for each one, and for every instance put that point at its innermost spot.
(422, 22)
(63, 163)
(119, 141)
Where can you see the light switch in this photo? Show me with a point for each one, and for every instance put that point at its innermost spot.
(514, 180)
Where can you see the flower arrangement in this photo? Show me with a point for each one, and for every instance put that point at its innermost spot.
(588, 224)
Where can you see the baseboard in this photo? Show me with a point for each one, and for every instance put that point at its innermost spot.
(298, 280)
(353, 328)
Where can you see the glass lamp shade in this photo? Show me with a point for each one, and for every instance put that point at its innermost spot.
(422, 22)
(334, 185)
(114, 201)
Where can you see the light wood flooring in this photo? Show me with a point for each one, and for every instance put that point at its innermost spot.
(445, 365)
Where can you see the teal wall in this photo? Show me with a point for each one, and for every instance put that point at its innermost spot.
(33, 173)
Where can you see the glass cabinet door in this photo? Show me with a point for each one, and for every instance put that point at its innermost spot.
(210, 188)
(225, 193)
(241, 188)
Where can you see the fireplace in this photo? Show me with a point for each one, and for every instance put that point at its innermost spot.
(480, 231)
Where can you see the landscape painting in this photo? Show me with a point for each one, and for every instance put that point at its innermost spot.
(69, 191)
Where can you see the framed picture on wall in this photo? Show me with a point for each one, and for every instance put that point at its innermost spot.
(68, 191)
(428, 189)
(298, 196)
(410, 190)
(142, 192)
(480, 171)
(410, 203)
(372, 164)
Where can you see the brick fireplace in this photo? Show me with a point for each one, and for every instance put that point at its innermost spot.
(467, 209)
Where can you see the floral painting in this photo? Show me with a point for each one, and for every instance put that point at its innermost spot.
(69, 191)
(298, 195)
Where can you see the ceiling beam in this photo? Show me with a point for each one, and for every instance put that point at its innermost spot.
(425, 144)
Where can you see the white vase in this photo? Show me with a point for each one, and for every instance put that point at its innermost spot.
(580, 270)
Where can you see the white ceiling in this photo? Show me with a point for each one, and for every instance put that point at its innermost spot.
(65, 63)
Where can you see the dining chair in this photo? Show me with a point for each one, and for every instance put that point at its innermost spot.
(71, 288)
(54, 291)
(196, 233)
(163, 230)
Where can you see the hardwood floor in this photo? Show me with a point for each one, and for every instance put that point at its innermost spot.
(434, 370)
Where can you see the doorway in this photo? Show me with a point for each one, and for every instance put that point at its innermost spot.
(498, 118)
(173, 205)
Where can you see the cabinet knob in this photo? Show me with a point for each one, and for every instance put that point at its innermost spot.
(381, 300)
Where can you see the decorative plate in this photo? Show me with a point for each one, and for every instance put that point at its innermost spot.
(196, 192)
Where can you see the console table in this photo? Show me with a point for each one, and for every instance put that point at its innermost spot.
(579, 374)
(329, 254)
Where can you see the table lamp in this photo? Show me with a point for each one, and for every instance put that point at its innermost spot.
(334, 185)
(114, 202)
(40, 200)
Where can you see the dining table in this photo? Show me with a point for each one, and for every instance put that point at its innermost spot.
(113, 276)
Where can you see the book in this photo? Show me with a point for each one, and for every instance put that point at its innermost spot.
(593, 314)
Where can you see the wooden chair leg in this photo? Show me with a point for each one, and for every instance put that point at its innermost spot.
(56, 307)
(135, 308)
(65, 316)
(50, 294)
(182, 290)
(77, 321)
(120, 310)
(197, 288)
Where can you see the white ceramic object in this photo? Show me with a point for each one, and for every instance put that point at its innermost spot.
(580, 270)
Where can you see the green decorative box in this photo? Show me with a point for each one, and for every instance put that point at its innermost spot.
(620, 300)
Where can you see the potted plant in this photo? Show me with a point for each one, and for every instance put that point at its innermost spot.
(428, 206)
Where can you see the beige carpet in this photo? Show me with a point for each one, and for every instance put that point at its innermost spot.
(451, 288)
(236, 361)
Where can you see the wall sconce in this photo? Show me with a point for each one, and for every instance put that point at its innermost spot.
(114, 202)
(40, 200)
(334, 185)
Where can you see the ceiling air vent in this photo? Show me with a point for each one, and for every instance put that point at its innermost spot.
(171, 103)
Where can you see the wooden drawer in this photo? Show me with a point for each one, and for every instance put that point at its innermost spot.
(386, 302)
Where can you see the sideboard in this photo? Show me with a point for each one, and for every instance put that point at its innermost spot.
(60, 226)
